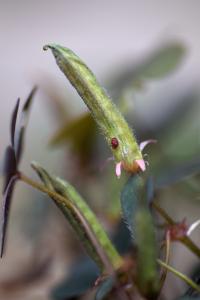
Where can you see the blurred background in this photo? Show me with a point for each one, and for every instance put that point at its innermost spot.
(117, 39)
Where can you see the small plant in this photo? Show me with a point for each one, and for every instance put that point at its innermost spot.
(141, 272)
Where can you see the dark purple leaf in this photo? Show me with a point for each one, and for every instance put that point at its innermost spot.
(23, 123)
(7, 195)
(20, 143)
(10, 167)
(27, 104)
(13, 122)
(12, 158)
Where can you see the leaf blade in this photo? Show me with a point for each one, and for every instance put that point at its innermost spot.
(10, 166)
(23, 123)
(5, 209)
(164, 61)
(13, 122)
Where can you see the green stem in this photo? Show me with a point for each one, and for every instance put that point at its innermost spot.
(167, 256)
(186, 241)
(180, 275)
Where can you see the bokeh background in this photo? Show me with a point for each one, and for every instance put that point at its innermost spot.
(112, 37)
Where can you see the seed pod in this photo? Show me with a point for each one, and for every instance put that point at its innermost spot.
(118, 134)
(88, 229)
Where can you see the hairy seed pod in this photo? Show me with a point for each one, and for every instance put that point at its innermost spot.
(112, 124)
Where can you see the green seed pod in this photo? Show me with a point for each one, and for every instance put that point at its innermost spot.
(118, 134)
(88, 229)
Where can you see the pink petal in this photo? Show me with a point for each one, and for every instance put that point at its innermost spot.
(193, 227)
(141, 164)
(118, 169)
(145, 143)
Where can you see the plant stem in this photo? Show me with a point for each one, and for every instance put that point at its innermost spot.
(180, 275)
(163, 213)
(185, 240)
(167, 256)
(39, 186)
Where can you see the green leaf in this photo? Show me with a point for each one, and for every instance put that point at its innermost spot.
(80, 133)
(130, 197)
(79, 130)
(138, 217)
(164, 61)
(122, 239)
(105, 288)
(83, 220)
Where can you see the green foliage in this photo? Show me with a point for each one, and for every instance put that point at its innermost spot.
(130, 199)
(163, 61)
(159, 64)
(80, 133)
(82, 219)
(130, 265)
(137, 215)
(110, 121)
